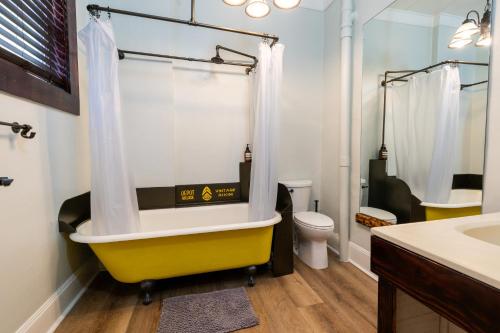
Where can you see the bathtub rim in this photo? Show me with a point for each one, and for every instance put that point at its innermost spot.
(452, 206)
(464, 204)
(92, 239)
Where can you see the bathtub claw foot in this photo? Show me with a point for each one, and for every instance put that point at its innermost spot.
(146, 289)
(251, 281)
(251, 271)
(147, 299)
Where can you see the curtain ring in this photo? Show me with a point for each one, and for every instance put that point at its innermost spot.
(94, 14)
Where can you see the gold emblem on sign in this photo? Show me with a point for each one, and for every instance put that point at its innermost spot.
(206, 194)
(187, 195)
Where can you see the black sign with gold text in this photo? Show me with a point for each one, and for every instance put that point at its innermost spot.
(206, 193)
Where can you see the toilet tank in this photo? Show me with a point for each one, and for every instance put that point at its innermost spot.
(300, 191)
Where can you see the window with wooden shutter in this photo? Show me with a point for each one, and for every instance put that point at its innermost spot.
(38, 51)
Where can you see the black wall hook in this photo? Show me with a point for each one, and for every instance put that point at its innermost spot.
(6, 181)
(25, 129)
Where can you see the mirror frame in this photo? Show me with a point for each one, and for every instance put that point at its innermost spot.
(491, 182)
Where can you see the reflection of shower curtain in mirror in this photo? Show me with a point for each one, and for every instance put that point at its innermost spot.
(422, 125)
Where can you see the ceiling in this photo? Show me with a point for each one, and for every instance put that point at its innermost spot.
(316, 4)
(433, 7)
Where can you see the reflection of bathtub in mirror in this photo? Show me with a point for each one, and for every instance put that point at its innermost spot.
(462, 202)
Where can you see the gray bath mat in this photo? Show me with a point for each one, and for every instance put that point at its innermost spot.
(216, 312)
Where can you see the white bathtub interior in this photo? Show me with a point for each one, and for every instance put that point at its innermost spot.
(460, 198)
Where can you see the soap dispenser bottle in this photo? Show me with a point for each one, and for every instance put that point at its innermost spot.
(248, 154)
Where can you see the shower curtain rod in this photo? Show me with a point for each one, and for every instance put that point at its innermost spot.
(463, 86)
(408, 73)
(426, 69)
(217, 59)
(95, 9)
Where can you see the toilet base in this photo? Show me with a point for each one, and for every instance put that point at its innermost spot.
(313, 253)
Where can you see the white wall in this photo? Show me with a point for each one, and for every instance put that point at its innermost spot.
(54, 166)
(331, 130)
(194, 118)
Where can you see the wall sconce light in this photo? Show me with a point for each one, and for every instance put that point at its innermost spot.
(485, 37)
(471, 26)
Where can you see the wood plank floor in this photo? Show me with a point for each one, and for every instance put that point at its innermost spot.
(338, 299)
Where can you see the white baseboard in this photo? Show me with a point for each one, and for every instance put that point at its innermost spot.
(334, 250)
(360, 258)
(57, 306)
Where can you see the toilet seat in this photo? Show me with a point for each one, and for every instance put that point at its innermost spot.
(379, 214)
(314, 220)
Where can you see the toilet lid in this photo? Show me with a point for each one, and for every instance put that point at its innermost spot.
(314, 219)
(379, 214)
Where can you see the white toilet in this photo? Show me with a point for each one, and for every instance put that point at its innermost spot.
(311, 229)
(372, 211)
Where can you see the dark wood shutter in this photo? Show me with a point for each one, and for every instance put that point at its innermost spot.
(34, 36)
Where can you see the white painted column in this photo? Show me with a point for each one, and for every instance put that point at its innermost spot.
(345, 124)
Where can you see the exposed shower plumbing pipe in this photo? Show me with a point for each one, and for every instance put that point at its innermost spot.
(94, 10)
(346, 33)
(192, 20)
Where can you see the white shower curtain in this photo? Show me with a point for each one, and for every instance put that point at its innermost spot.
(422, 125)
(266, 104)
(446, 140)
(114, 206)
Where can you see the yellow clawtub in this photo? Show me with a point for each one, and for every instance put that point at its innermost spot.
(461, 203)
(165, 257)
(183, 241)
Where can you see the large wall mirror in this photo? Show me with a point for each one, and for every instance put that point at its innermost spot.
(424, 104)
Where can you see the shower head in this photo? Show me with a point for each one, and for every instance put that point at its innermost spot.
(217, 59)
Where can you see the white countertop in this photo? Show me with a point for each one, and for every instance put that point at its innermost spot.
(444, 241)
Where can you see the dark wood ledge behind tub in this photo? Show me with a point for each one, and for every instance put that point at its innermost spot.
(463, 300)
(370, 221)
(282, 252)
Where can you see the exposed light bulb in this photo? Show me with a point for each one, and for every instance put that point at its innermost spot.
(468, 29)
(484, 40)
(234, 2)
(286, 4)
(257, 8)
(459, 43)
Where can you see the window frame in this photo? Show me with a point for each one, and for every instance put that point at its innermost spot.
(18, 82)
